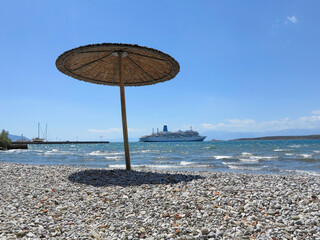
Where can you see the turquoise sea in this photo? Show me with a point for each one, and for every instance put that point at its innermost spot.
(279, 157)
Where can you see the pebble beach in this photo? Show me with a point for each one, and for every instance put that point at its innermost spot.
(63, 202)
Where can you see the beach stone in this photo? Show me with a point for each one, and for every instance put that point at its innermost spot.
(295, 217)
(116, 204)
(205, 231)
(219, 233)
(22, 234)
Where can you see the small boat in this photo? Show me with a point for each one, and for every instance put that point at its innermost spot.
(38, 139)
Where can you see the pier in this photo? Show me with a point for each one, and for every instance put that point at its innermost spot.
(61, 142)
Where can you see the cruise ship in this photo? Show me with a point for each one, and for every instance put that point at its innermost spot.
(166, 136)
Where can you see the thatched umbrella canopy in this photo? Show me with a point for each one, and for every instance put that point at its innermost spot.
(118, 65)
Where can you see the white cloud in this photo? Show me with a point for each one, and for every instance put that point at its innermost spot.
(250, 125)
(316, 112)
(240, 124)
(292, 19)
(278, 24)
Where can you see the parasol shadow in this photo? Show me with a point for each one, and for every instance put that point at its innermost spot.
(117, 177)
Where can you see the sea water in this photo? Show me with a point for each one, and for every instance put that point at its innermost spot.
(277, 157)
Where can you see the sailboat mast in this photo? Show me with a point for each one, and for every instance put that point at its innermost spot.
(38, 130)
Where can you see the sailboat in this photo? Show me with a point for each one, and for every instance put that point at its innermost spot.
(38, 139)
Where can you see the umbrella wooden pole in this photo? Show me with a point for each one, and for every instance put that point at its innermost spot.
(124, 115)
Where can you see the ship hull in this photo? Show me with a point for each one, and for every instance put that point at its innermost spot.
(38, 140)
(163, 139)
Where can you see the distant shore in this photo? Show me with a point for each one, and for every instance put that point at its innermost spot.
(305, 137)
(60, 202)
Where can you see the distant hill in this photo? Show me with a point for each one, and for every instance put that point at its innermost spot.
(308, 137)
(225, 135)
(16, 137)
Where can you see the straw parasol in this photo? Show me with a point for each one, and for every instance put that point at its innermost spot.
(118, 65)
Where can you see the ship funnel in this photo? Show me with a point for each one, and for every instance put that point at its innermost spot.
(165, 128)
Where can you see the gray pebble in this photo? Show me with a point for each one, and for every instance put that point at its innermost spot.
(115, 204)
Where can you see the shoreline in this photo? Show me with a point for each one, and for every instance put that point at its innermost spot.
(285, 172)
(256, 157)
(60, 201)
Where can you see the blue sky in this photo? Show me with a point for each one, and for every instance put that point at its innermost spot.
(246, 66)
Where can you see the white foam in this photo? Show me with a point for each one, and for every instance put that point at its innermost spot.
(104, 153)
(98, 153)
(39, 150)
(186, 163)
(248, 160)
(289, 154)
(116, 153)
(315, 151)
(302, 172)
(306, 155)
(281, 150)
(145, 151)
(237, 167)
(117, 166)
(267, 157)
(164, 166)
(54, 151)
(159, 161)
(113, 158)
(257, 158)
(295, 146)
(47, 153)
(240, 166)
(222, 157)
(230, 163)
(175, 166)
(143, 166)
(246, 154)
(158, 166)
(308, 172)
(211, 147)
(57, 152)
(15, 151)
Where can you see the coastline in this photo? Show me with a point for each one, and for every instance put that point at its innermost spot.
(297, 156)
(280, 138)
(59, 202)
